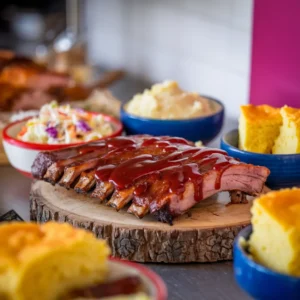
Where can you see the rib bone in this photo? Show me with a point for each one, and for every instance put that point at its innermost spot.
(72, 172)
(86, 182)
(120, 198)
(103, 190)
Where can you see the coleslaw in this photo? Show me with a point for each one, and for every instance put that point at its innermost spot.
(64, 125)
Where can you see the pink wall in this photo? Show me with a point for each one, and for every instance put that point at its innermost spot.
(275, 71)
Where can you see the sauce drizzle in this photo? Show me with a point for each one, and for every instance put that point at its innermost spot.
(175, 161)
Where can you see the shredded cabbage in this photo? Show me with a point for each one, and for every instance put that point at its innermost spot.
(64, 125)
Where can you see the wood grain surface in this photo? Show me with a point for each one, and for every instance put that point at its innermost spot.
(3, 157)
(205, 234)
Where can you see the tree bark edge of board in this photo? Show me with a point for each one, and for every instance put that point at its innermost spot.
(144, 244)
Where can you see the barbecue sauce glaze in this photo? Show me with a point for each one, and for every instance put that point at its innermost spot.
(180, 162)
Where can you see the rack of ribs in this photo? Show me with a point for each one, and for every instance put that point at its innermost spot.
(164, 176)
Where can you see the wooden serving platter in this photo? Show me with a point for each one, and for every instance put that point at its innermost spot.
(3, 157)
(205, 234)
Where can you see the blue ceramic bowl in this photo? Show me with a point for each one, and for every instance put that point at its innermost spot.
(258, 281)
(285, 168)
(202, 128)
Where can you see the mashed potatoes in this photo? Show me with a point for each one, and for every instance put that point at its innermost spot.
(168, 101)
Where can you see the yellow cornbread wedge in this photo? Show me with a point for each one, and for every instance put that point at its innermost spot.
(275, 241)
(258, 127)
(41, 262)
(288, 141)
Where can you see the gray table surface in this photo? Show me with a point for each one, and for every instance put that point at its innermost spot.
(209, 281)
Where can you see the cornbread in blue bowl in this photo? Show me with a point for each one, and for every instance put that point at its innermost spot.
(166, 109)
(269, 137)
(267, 254)
(269, 130)
(288, 140)
(285, 168)
(259, 126)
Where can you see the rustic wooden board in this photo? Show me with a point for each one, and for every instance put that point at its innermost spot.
(3, 157)
(206, 234)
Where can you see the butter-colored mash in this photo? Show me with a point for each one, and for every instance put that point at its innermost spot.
(168, 101)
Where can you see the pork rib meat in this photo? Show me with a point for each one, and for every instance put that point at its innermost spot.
(164, 176)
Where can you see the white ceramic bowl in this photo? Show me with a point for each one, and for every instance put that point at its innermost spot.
(22, 154)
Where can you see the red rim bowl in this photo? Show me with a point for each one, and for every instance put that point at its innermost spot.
(22, 154)
(118, 126)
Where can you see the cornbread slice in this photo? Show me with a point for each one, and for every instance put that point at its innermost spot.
(288, 141)
(258, 127)
(275, 241)
(44, 261)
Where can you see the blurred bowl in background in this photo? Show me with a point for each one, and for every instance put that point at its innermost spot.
(204, 128)
(285, 171)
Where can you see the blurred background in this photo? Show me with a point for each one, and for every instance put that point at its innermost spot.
(238, 51)
(204, 45)
(25, 24)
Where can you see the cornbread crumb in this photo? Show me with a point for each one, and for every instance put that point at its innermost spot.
(288, 141)
(275, 241)
(258, 127)
(199, 144)
(44, 261)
